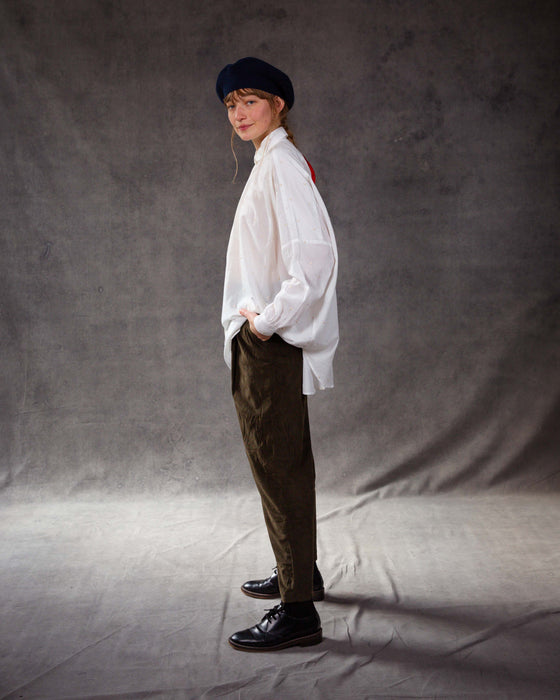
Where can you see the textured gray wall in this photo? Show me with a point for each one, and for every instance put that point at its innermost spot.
(433, 128)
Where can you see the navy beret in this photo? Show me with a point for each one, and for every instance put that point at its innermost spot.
(254, 74)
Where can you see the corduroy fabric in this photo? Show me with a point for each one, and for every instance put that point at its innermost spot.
(274, 421)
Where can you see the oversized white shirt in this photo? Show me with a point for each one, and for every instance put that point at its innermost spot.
(282, 260)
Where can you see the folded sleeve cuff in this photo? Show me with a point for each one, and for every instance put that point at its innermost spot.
(262, 326)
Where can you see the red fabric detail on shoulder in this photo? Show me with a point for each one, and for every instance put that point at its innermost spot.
(310, 169)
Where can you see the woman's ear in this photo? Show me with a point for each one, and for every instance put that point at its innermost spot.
(279, 103)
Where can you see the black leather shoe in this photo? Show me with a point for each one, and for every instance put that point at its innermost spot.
(268, 587)
(278, 630)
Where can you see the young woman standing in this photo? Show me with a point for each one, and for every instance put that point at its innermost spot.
(281, 332)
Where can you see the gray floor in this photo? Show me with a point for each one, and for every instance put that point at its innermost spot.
(426, 597)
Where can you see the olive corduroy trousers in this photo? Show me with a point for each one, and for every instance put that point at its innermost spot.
(274, 421)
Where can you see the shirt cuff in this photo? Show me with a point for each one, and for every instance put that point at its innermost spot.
(262, 326)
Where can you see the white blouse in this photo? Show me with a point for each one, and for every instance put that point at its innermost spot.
(282, 260)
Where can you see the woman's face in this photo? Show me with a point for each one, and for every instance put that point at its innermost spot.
(253, 118)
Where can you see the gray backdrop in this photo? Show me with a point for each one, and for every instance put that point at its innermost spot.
(128, 516)
(433, 128)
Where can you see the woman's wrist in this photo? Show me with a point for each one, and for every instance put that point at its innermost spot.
(262, 326)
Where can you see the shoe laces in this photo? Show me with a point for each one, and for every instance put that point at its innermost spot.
(274, 612)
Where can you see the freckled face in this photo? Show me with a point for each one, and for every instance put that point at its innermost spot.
(253, 117)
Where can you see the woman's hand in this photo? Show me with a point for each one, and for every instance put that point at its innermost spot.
(250, 316)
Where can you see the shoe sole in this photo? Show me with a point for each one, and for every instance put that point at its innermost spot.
(318, 595)
(308, 641)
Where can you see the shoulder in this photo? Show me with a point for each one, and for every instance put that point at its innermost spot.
(285, 152)
(287, 161)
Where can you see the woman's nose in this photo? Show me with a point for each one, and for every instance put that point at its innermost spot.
(238, 113)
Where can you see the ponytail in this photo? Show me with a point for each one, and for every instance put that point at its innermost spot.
(284, 123)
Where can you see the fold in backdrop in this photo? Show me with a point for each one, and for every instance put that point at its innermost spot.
(434, 131)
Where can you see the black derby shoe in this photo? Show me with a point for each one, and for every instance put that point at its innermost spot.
(268, 587)
(278, 630)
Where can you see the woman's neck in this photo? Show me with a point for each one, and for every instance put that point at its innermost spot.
(257, 142)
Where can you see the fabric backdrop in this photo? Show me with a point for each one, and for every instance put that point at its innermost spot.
(434, 130)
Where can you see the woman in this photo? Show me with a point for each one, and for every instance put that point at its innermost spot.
(281, 331)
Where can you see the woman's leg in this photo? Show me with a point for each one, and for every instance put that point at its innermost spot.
(274, 421)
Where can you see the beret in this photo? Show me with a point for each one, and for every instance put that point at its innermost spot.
(256, 74)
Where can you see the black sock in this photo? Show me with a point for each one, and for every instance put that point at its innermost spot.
(303, 609)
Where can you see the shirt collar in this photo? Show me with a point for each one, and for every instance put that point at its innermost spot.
(269, 142)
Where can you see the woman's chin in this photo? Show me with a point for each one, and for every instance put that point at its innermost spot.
(244, 135)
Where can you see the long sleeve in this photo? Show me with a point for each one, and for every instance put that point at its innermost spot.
(306, 246)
